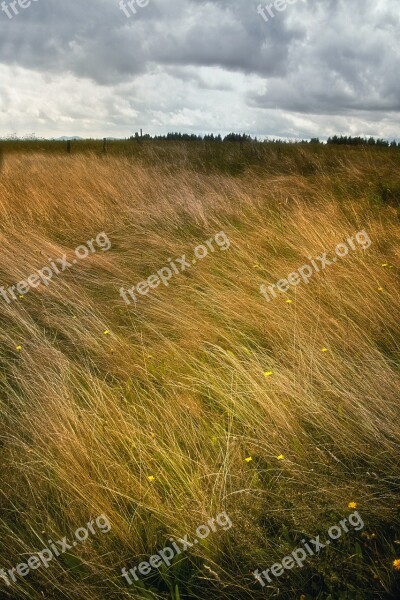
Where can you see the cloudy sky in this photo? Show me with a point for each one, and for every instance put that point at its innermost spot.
(94, 68)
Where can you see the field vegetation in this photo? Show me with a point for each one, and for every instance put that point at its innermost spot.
(161, 414)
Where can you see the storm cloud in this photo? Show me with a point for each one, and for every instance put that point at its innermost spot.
(86, 68)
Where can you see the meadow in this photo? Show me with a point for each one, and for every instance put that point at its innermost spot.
(201, 398)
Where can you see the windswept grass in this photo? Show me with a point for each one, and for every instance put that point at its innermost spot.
(177, 389)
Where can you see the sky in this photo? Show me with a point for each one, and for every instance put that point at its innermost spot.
(102, 68)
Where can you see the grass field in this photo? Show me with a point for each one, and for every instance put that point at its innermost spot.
(201, 398)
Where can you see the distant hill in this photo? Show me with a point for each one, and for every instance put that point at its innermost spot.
(64, 138)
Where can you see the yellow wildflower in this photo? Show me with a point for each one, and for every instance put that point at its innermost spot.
(248, 459)
(324, 349)
(396, 564)
(385, 264)
(268, 373)
(380, 289)
(151, 478)
(352, 505)
(280, 457)
(288, 301)
(18, 348)
(106, 332)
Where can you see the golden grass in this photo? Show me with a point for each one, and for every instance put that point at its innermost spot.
(177, 389)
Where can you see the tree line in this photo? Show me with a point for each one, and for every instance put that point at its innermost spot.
(343, 140)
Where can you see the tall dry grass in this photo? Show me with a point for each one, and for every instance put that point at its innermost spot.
(177, 389)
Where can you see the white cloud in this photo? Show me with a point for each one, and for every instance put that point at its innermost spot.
(197, 65)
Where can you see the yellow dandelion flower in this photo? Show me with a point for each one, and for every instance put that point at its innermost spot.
(106, 332)
(280, 457)
(268, 373)
(288, 301)
(18, 348)
(151, 478)
(385, 264)
(396, 564)
(380, 289)
(324, 349)
(352, 505)
(248, 459)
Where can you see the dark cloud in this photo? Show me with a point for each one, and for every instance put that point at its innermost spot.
(334, 58)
